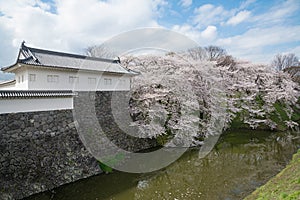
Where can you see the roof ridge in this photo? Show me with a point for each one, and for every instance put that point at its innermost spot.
(59, 53)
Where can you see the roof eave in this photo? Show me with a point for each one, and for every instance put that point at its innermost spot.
(9, 82)
(11, 68)
(18, 65)
(133, 72)
(130, 71)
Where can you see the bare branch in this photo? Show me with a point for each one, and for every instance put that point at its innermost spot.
(214, 52)
(282, 61)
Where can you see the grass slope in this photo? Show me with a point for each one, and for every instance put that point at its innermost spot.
(285, 185)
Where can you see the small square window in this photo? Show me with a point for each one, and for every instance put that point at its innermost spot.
(73, 79)
(32, 77)
(53, 78)
(92, 80)
(49, 78)
(107, 81)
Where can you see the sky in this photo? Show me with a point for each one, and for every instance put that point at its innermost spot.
(254, 30)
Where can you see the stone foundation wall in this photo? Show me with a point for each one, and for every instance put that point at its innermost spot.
(43, 150)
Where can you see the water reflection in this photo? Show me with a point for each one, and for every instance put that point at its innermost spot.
(240, 162)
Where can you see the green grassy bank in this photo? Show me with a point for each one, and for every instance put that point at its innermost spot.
(285, 185)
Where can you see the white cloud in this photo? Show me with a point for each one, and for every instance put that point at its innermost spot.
(209, 33)
(239, 17)
(75, 24)
(209, 14)
(264, 37)
(278, 13)
(253, 43)
(295, 50)
(246, 3)
(149, 40)
(188, 31)
(203, 38)
(186, 3)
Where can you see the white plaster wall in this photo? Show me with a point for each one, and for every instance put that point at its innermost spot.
(21, 79)
(8, 87)
(36, 104)
(118, 82)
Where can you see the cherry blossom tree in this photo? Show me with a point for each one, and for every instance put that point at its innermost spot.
(191, 94)
(231, 90)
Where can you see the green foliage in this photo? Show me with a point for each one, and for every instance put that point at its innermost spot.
(280, 108)
(108, 162)
(279, 116)
(283, 195)
(104, 167)
(296, 114)
(259, 101)
(237, 122)
(163, 139)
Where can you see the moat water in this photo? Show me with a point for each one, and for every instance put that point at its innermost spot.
(241, 161)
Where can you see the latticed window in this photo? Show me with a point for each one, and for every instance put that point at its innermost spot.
(53, 78)
(92, 80)
(73, 79)
(32, 77)
(107, 81)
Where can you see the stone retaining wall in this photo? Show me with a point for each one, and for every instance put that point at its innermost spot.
(43, 150)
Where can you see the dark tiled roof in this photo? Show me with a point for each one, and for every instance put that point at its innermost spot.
(8, 94)
(46, 58)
